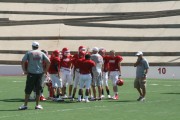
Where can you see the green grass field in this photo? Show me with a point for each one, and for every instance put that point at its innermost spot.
(162, 103)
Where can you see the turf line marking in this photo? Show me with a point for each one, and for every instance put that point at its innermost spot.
(154, 84)
(18, 81)
(168, 85)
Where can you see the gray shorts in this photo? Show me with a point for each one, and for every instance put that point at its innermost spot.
(139, 83)
(97, 79)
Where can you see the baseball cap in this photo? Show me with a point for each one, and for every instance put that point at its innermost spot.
(95, 49)
(139, 53)
(35, 44)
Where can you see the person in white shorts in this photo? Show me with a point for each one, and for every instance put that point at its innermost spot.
(102, 52)
(86, 66)
(97, 74)
(114, 71)
(55, 76)
(81, 54)
(66, 69)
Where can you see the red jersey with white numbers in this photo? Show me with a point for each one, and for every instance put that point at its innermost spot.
(85, 66)
(74, 60)
(113, 62)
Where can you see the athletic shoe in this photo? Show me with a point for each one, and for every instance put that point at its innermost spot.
(142, 99)
(59, 99)
(115, 97)
(139, 99)
(109, 96)
(42, 98)
(83, 100)
(65, 97)
(23, 107)
(102, 96)
(87, 101)
(38, 107)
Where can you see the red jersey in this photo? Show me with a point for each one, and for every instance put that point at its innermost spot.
(74, 61)
(106, 63)
(85, 66)
(113, 63)
(66, 62)
(75, 58)
(55, 63)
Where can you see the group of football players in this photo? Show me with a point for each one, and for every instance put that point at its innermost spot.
(83, 70)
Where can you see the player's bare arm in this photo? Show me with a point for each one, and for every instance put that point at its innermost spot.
(47, 67)
(24, 67)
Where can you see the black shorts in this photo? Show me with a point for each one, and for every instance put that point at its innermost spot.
(33, 82)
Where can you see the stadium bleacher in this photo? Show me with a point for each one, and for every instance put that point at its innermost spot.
(127, 26)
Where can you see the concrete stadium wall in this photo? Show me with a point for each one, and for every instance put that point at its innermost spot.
(157, 72)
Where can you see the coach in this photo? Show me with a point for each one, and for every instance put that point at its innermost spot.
(34, 72)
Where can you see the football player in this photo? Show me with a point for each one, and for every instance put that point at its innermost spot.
(81, 54)
(102, 52)
(114, 71)
(66, 66)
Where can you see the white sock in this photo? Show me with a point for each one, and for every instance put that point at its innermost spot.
(86, 97)
(79, 97)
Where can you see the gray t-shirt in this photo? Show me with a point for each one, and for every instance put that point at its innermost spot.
(97, 58)
(141, 67)
(35, 60)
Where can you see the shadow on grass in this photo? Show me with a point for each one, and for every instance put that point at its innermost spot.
(13, 100)
(10, 110)
(171, 93)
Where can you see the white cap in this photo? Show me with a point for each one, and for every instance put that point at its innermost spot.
(35, 44)
(139, 53)
(95, 49)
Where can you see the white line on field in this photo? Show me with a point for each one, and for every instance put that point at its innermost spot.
(154, 84)
(18, 81)
(168, 85)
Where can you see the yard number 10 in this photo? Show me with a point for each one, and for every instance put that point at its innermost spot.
(162, 70)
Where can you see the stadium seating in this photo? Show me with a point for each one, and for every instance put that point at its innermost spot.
(127, 26)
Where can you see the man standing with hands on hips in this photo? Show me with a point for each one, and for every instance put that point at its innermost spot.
(34, 73)
(142, 67)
